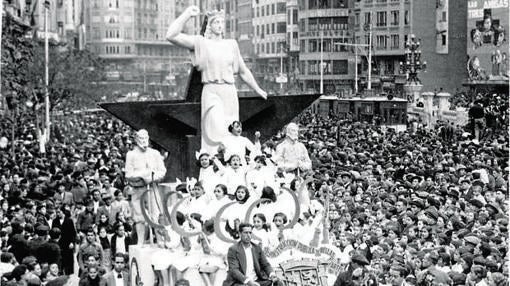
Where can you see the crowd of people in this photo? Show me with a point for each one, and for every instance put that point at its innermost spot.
(401, 208)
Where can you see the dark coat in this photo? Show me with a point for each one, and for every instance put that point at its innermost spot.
(237, 264)
(113, 243)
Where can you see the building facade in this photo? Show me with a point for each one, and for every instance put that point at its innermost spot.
(438, 25)
(270, 41)
(130, 36)
(388, 22)
(324, 27)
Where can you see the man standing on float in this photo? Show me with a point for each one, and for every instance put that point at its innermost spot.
(144, 166)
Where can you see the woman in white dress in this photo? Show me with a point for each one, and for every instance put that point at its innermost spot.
(234, 143)
(218, 60)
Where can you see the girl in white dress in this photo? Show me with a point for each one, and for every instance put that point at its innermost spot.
(260, 176)
(235, 214)
(261, 233)
(220, 199)
(234, 174)
(208, 176)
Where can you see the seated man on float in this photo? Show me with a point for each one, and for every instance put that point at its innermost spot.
(291, 155)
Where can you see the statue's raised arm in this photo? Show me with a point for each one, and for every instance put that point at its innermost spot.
(218, 60)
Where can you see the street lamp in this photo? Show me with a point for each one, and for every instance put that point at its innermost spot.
(412, 64)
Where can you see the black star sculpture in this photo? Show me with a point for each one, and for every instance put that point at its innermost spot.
(175, 124)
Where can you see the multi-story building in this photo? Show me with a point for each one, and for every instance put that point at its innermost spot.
(439, 26)
(270, 41)
(63, 22)
(389, 24)
(130, 36)
(323, 29)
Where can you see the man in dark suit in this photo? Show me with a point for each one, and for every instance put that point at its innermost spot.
(118, 276)
(67, 238)
(254, 271)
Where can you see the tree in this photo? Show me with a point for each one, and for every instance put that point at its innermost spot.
(72, 73)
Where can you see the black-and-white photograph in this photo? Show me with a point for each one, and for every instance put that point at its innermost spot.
(254, 142)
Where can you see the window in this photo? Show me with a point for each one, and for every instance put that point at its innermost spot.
(313, 24)
(262, 11)
(443, 39)
(312, 46)
(281, 27)
(313, 67)
(258, 10)
(356, 19)
(312, 4)
(302, 46)
(60, 28)
(340, 67)
(395, 42)
(273, 50)
(381, 42)
(368, 18)
(406, 17)
(268, 29)
(394, 18)
(273, 28)
(273, 9)
(294, 16)
(281, 8)
(258, 30)
(340, 23)
(325, 24)
(443, 16)
(381, 19)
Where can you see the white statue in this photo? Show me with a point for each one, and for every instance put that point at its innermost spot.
(144, 166)
(218, 60)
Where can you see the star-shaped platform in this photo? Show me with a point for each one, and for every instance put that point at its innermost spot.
(175, 124)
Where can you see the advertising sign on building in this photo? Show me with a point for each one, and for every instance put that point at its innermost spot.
(487, 40)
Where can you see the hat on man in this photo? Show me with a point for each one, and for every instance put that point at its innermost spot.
(472, 239)
(476, 202)
(359, 259)
(457, 278)
(478, 183)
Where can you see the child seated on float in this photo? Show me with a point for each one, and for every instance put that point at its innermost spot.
(210, 174)
(261, 233)
(280, 232)
(181, 254)
(235, 214)
(213, 266)
(234, 174)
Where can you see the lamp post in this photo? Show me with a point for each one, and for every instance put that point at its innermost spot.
(411, 66)
(46, 72)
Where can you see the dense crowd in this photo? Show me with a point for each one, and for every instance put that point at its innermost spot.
(407, 207)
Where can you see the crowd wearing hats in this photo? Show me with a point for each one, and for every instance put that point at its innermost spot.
(421, 209)
(408, 208)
